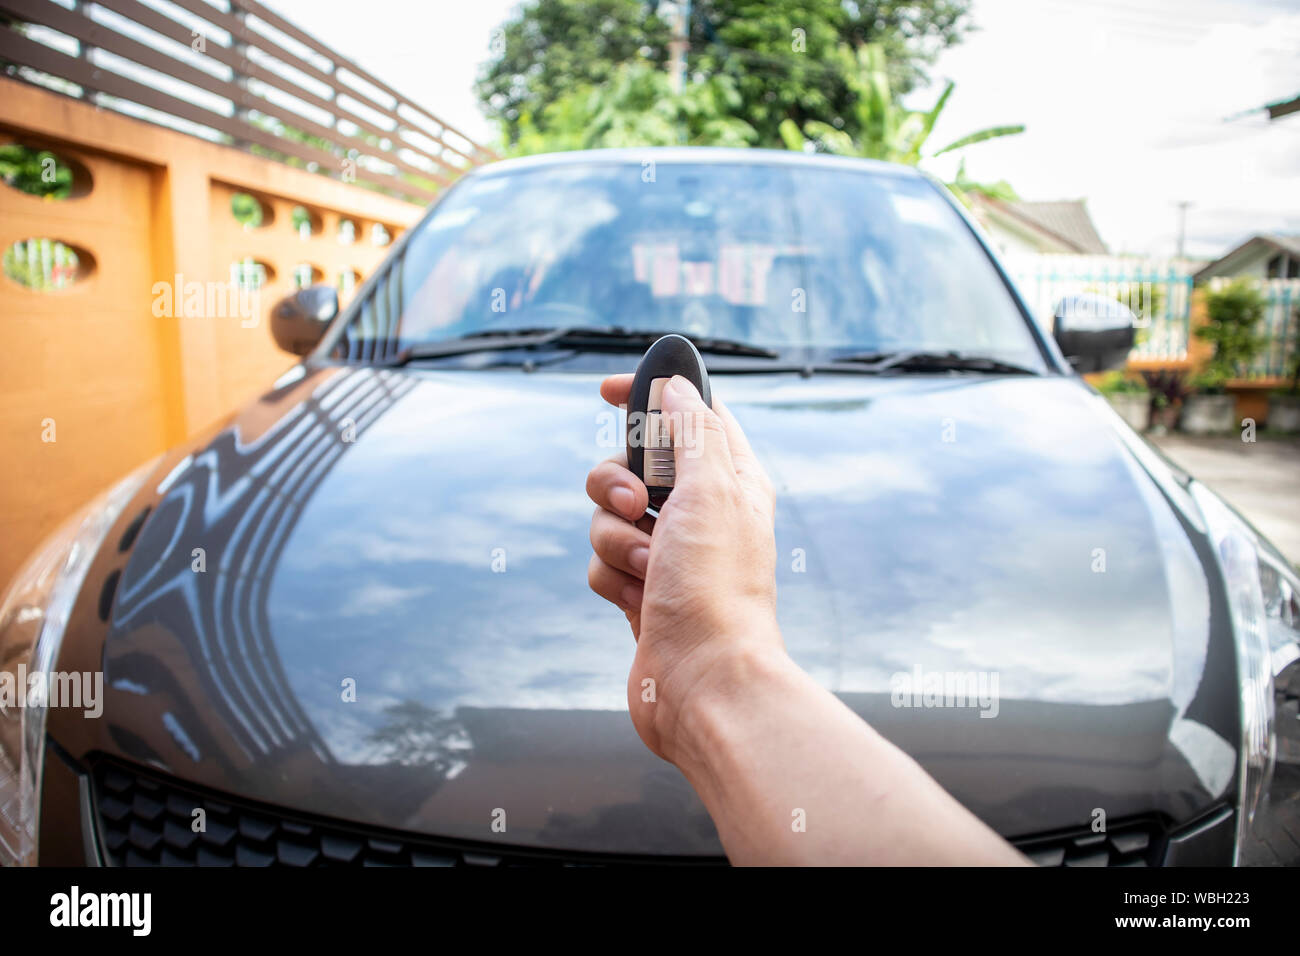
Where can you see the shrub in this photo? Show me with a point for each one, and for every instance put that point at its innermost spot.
(1211, 380)
(1234, 311)
(1117, 383)
(1167, 386)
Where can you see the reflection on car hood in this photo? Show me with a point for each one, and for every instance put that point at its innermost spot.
(367, 598)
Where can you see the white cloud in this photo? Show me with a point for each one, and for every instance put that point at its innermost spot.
(1126, 105)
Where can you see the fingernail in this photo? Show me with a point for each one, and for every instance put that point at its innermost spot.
(683, 387)
(623, 500)
(638, 559)
(632, 594)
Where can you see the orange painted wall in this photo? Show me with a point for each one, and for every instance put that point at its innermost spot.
(119, 383)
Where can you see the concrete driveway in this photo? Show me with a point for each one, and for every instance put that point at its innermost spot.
(1261, 479)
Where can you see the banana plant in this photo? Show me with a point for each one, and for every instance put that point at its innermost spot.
(890, 131)
(637, 107)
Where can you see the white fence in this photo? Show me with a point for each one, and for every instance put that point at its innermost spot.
(1159, 291)
(1278, 327)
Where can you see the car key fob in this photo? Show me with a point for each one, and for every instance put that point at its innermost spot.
(649, 444)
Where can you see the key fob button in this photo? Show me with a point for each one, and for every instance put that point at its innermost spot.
(649, 441)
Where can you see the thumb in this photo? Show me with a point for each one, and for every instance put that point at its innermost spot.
(700, 450)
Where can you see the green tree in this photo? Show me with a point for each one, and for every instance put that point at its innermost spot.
(779, 56)
(637, 107)
(553, 48)
(780, 59)
(785, 57)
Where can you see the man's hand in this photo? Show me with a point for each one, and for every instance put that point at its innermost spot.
(712, 688)
(698, 585)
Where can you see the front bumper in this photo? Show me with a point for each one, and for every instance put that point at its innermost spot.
(111, 813)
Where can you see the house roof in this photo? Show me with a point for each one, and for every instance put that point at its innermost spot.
(1065, 221)
(1283, 108)
(1223, 265)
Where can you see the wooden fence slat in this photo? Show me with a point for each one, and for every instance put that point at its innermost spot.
(284, 26)
(233, 25)
(367, 116)
(165, 26)
(20, 49)
(77, 26)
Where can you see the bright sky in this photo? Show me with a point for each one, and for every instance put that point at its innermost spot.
(1125, 101)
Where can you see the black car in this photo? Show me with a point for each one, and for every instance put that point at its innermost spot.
(352, 624)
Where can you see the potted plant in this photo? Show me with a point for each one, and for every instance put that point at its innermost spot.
(1234, 311)
(1209, 409)
(1168, 389)
(1129, 397)
(1284, 403)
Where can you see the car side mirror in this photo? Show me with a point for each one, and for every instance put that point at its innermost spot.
(1094, 333)
(298, 321)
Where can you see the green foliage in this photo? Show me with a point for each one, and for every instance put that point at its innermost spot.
(781, 57)
(1234, 311)
(553, 49)
(979, 136)
(1210, 380)
(1118, 383)
(298, 218)
(888, 130)
(246, 210)
(637, 107)
(963, 185)
(781, 60)
(35, 172)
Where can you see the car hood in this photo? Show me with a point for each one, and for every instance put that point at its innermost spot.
(366, 598)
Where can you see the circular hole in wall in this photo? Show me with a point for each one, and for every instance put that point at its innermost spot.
(250, 273)
(47, 265)
(250, 212)
(43, 173)
(305, 274)
(305, 222)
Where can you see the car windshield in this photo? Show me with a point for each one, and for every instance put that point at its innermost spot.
(820, 258)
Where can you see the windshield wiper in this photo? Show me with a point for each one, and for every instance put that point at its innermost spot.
(593, 338)
(479, 342)
(919, 361)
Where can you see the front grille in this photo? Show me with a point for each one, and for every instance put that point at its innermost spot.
(146, 819)
(1125, 843)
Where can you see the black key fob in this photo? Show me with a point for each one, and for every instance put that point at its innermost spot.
(649, 445)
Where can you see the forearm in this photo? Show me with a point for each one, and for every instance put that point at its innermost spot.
(792, 776)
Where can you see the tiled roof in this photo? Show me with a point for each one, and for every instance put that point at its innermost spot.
(1065, 221)
(1068, 219)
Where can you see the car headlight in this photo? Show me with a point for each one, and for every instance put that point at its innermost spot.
(1280, 585)
(1261, 590)
(33, 615)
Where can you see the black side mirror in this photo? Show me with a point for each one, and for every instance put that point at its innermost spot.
(298, 321)
(1095, 333)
